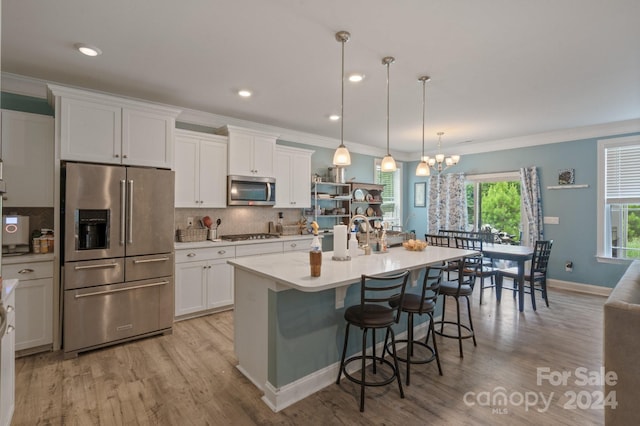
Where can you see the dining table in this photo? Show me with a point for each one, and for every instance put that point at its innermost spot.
(518, 254)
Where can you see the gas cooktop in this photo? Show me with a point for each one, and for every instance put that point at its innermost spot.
(244, 237)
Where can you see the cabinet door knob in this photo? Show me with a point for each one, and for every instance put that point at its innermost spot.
(117, 155)
(25, 271)
(10, 308)
(294, 245)
(191, 254)
(10, 329)
(125, 156)
(222, 251)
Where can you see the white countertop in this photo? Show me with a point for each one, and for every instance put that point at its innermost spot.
(207, 243)
(8, 286)
(27, 258)
(292, 269)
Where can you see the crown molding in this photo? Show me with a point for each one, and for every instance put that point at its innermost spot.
(34, 87)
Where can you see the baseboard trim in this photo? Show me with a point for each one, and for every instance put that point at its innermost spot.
(579, 288)
(280, 398)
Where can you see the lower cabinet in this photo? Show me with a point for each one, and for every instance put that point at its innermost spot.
(8, 364)
(34, 304)
(203, 280)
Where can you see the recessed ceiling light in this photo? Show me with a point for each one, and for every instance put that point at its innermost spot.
(244, 93)
(334, 117)
(88, 49)
(356, 78)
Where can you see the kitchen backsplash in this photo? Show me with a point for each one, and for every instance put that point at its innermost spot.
(239, 220)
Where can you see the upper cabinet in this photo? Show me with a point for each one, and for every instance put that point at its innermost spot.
(100, 128)
(201, 169)
(27, 154)
(251, 153)
(293, 177)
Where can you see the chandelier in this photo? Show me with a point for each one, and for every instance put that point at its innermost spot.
(440, 163)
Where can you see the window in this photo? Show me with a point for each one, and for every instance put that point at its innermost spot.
(493, 202)
(392, 193)
(619, 198)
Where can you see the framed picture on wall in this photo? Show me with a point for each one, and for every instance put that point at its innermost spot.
(566, 177)
(420, 194)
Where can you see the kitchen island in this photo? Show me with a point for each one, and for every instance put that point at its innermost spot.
(288, 326)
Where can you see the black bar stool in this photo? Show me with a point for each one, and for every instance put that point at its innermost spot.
(421, 304)
(373, 312)
(461, 287)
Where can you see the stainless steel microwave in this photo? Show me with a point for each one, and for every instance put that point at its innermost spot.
(251, 191)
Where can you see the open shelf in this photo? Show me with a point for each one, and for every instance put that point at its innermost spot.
(578, 186)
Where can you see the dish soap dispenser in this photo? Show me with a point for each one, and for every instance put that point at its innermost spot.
(353, 243)
(315, 255)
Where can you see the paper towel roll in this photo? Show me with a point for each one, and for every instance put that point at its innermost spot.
(340, 241)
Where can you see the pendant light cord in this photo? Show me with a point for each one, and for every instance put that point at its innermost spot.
(388, 62)
(424, 85)
(342, 100)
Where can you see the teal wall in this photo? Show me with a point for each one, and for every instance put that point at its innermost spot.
(25, 104)
(575, 236)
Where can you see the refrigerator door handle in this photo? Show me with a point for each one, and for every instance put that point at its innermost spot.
(123, 200)
(130, 206)
(118, 290)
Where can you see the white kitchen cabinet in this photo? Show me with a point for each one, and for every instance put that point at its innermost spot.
(251, 153)
(293, 177)
(34, 303)
(100, 128)
(303, 244)
(8, 364)
(201, 170)
(27, 154)
(204, 281)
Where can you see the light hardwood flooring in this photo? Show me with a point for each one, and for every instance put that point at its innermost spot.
(189, 377)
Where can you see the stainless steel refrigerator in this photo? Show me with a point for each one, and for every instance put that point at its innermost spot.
(117, 254)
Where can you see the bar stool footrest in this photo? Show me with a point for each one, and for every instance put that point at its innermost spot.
(453, 336)
(414, 360)
(381, 361)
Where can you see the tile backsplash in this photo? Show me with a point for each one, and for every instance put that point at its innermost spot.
(238, 220)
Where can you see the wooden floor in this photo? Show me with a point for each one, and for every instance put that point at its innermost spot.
(189, 377)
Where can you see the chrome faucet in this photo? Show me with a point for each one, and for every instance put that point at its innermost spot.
(367, 246)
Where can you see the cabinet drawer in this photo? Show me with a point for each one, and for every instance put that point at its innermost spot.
(28, 271)
(259, 248)
(298, 245)
(212, 253)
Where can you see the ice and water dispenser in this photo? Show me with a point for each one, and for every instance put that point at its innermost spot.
(93, 229)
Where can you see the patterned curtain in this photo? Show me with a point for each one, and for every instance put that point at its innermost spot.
(532, 202)
(447, 202)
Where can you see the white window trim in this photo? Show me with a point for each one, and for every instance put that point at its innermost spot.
(400, 166)
(602, 254)
(502, 177)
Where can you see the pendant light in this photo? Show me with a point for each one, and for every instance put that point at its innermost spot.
(423, 167)
(341, 157)
(388, 163)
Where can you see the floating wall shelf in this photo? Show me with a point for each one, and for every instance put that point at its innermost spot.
(584, 185)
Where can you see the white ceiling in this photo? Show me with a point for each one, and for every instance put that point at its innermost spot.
(500, 69)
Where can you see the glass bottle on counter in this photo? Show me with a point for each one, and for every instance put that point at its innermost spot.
(315, 255)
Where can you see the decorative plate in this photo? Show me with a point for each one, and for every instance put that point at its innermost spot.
(358, 195)
(359, 210)
(369, 198)
(370, 212)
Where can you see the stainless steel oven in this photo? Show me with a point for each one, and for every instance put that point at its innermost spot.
(251, 191)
